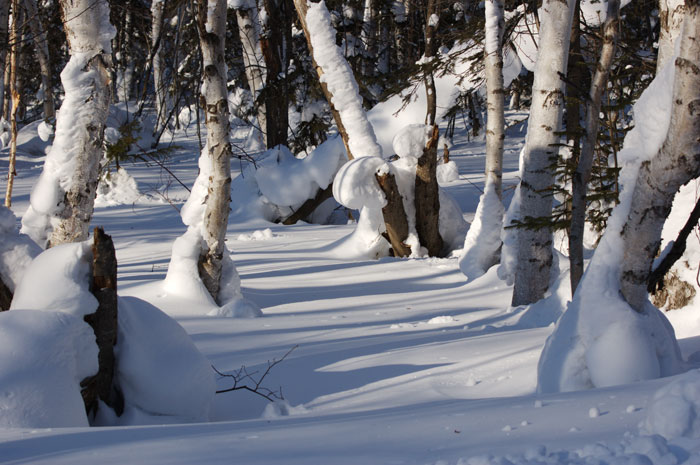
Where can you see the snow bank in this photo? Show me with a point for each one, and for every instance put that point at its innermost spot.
(483, 241)
(58, 281)
(674, 410)
(633, 449)
(16, 250)
(600, 340)
(159, 370)
(45, 356)
(119, 188)
(279, 182)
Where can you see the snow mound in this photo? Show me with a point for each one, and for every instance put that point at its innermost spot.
(16, 250)
(45, 356)
(159, 370)
(483, 241)
(58, 281)
(119, 188)
(633, 449)
(674, 410)
(447, 173)
(355, 185)
(258, 235)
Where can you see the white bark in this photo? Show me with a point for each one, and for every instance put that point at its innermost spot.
(157, 11)
(535, 244)
(671, 13)
(249, 32)
(4, 17)
(495, 119)
(64, 197)
(677, 162)
(211, 23)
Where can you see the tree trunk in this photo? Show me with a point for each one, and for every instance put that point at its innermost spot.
(540, 152)
(212, 33)
(427, 198)
(4, 17)
(671, 13)
(14, 95)
(495, 95)
(394, 218)
(104, 324)
(72, 165)
(42, 55)
(582, 175)
(676, 163)
(428, 79)
(249, 32)
(5, 296)
(157, 21)
(274, 48)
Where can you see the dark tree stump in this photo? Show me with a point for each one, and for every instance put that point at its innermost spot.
(5, 296)
(427, 198)
(104, 324)
(308, 207)
(394, 215)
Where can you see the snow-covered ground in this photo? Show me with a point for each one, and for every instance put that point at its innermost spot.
(398, 360)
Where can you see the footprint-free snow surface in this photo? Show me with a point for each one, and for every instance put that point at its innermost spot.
(397, 361)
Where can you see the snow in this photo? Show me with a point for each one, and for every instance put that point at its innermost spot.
(399, 360)
(46, 355)
(483, 240)
(16, 250)
(119, 188)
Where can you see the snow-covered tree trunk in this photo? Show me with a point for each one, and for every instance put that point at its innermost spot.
(42, 55)
(368, 38)
(582, 175)
(63, 199)
(157, 13)
(671, 13)
(342, 93)
(249, 33)
(211, 24)
(676, 163)
(482, 243)
(534, 257)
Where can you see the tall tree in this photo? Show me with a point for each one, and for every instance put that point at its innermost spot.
(42, 54)
(676, 163)
(62, 201)
(582, 175)
(534, 257)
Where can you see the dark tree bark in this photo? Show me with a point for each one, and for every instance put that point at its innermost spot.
(394, 215)
(5, 296)
(308, 207)
(274, 43)
(427, 198)
(103, 323)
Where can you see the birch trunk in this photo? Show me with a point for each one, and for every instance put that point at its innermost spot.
(211, 24)
(4, 18)
(671, 13)
(14, 98)
(71, 167)
(534, 257)
(495, 95)
(582, 175)
(157, 13)
(676, 163)
(428, 79)
(249, 32)
(42, 55)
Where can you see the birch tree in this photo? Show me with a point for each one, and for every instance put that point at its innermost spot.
(671, 14)
(676, 163)
(249, 33)
(157, 20)
(4, 22)
(534, 244)
(582, 175)
(483, 243)
(42, 55)
(62, 201)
